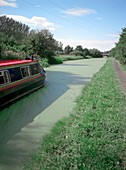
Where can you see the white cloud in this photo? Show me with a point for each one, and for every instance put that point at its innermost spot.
(79, 12)
(113, 35)
(12, 0)
(102, 45)
(6, 3)
(34, 22)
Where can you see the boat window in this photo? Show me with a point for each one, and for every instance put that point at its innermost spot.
(35, 69)
(4, 77)
(15, 74)
(25, 71)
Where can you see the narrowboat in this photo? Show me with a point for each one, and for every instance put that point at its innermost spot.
(18, 78)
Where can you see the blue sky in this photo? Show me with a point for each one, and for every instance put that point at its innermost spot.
(90, 23)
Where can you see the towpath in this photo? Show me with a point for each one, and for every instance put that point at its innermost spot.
(121, 75)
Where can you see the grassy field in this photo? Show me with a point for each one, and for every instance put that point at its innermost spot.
(94, 135)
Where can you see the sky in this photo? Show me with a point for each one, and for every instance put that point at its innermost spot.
(90, 23)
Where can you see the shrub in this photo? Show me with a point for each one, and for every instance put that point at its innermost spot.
(44, 62)
(55, 60)
(88, 57)
(70, 57)
(77, 53)
(11, 55)
(12, 48)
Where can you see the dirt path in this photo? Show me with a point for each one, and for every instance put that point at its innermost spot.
(25, 122)
(121, 75)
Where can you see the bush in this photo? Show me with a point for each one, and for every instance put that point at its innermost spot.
(88, 57)
(77, 53)
(11, 55)
(70, 57)
(12, 48)
(55, 60)
(44, 62)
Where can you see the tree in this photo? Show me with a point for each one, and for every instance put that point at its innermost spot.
(59, 46)
(95, 53)
(79, 51)
(86, 52)
(2, 43)
(79, 48)
(119, 51)
(14, 29)
(68, 49)
(42, 43)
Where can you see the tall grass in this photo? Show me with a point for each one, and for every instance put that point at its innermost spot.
(94, 135)
(70, 57)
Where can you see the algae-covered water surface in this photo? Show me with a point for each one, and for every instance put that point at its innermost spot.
(24, 123)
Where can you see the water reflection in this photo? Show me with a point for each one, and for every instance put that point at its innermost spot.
(23, 111)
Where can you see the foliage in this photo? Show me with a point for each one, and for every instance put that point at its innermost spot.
(95, 53)
(86, 52)
(77, 53)
(55, 60)
(14, 30)
(16, 37)
(88, 57)
(59, 47)
(79, 48)
(80, 51)
(70, 57)
(42, 43)
(93, 137)
(44, 62)
(68, 49)
(2, 43)
(119, 52)
(10, 55)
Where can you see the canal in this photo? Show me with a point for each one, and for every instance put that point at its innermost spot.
(24, 123)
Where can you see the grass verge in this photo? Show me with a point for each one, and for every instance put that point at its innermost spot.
(94, 135)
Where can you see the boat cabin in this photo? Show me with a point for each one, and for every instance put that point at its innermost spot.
(19, 77)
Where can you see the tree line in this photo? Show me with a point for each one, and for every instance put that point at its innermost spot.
(18, 41)
(80, 51)
(119, 51)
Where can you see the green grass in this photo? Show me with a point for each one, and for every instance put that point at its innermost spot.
(70, 57)
(94, 135)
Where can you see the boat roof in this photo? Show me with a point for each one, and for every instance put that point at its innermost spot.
(15, 62)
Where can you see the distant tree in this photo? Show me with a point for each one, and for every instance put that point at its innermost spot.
(77, 53)
(59, 46)
(79, 48)
(95, 53)
(68, 49)
(86, 52)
